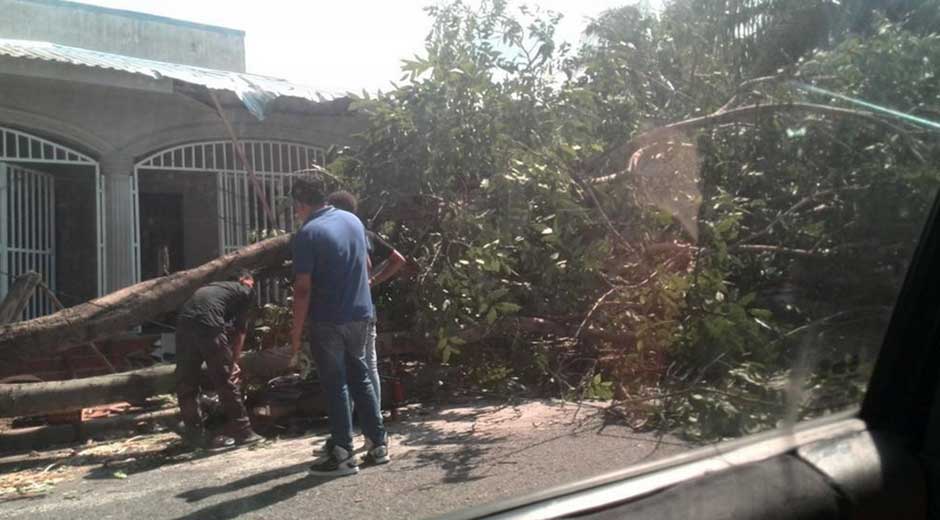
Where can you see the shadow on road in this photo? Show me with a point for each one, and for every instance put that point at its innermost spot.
(20, 464)
(470, 450)
(458, 466)
(195, 495)
(147, 461)
(238, 506)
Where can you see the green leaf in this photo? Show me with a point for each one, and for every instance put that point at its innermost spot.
(747, 299)
(491, 316)
(498, 294)
(763, 314)
(119, 474)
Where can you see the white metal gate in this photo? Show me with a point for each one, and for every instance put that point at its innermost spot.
(28, 208)
(241, 218)
(27, 233)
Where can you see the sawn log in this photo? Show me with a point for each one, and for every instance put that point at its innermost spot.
(26, 399)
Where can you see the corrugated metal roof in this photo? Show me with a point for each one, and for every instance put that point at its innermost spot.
(254, 91)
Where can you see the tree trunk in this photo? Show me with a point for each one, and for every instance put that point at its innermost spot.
(22, 399)
(116, 312)
(25, 399)
(40, 398)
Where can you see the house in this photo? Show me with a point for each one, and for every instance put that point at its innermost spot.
(115, 165)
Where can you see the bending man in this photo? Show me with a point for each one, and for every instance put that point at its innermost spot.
(211, 327)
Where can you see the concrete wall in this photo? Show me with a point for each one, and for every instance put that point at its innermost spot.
(123, 32)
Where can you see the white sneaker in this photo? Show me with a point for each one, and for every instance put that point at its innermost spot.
(338, 463)
(375, 454)
(324, 449)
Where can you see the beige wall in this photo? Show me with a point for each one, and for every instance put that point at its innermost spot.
(123, 32)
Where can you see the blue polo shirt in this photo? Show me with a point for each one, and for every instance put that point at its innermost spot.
(331, 247)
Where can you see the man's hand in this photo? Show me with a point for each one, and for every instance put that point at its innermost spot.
(236, 375)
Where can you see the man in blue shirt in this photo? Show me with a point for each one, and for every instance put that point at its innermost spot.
(331, 288)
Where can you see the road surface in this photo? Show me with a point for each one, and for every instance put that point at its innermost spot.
(444, 458)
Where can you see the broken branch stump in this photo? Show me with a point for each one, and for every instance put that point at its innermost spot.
(11, 308)
(121, 310)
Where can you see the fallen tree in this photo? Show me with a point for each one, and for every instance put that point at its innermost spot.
(41, 398)
(25, 399)
(118, 311)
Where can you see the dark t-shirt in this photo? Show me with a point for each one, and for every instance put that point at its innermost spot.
(331, 247)
(379, 249)
(219, 305)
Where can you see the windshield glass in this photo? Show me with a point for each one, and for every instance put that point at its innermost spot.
(463, 251)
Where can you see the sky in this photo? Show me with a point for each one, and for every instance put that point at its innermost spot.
(339, 45)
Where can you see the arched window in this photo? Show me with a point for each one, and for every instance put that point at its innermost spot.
(209, 180)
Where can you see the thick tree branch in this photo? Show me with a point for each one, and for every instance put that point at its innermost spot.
(799, 205)
(622, 153)
(116, 312)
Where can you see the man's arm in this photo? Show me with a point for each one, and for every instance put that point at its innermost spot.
(302, 247)
(302, 286)
(242, 317)
(389, 268)
(238, 344)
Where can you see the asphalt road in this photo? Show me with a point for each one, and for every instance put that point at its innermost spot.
(444, 458)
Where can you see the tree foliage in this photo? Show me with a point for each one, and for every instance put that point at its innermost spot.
(716, 215)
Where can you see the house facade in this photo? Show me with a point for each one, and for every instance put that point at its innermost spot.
(115, 165)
